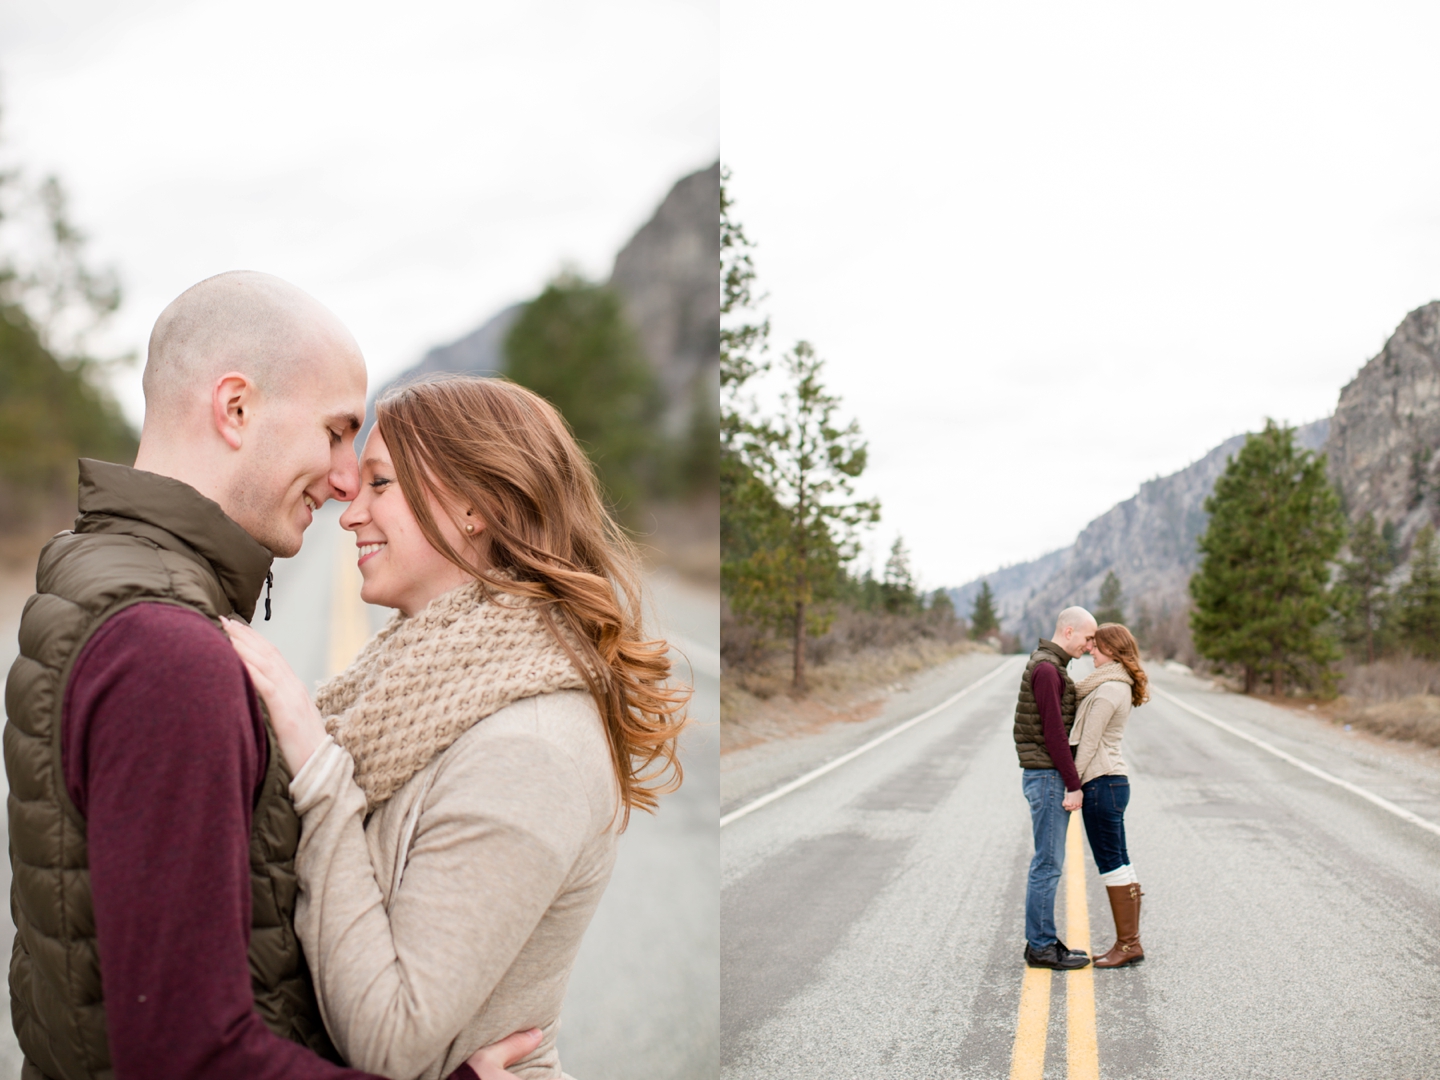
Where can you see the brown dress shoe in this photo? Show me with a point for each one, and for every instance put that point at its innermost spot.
(1125, 906)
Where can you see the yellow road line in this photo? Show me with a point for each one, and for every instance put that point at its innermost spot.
(349, 625)
(1081, 1051)
(1028, 1060)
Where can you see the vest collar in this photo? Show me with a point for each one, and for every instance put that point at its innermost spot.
(1061, 657)
(239, 560)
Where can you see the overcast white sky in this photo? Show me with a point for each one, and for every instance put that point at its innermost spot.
(414, 166)
(1053, 250)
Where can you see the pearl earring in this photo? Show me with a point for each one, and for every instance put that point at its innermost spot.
(469, 528)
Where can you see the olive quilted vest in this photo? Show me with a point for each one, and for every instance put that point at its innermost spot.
(1029, 730)
(139, 538)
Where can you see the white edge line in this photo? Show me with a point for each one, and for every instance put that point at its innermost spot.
(1384, 804)
(813, 774)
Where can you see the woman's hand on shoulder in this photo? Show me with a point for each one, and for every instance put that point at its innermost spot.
(489, 1062)
(298, 726)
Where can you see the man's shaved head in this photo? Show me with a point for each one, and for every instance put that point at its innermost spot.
(244, 321)
(253, 394)
(1075, 630)
(1076, 618)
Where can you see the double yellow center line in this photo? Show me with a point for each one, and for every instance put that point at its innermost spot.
(1081, 1050)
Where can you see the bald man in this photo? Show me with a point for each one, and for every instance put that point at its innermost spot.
(152, 839)
(1043, 717)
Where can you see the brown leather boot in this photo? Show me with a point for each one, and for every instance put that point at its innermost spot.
(1125, 906)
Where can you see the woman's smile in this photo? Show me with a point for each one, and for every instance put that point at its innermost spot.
(418, 573)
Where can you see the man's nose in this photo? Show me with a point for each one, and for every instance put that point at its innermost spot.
(345, 476)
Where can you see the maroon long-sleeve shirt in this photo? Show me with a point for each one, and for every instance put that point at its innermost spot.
(164, 750)
(1047, 686)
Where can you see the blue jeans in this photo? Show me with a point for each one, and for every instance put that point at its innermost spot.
(1104, 811)
(1044, 791)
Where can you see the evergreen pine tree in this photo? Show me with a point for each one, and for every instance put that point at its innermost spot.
(1419, 475)
(869, 593)
(744, 333)
(942, 608)
(1362, 598)
(1390, 537)
(1109, 610)
(53, 406)
(984, 622)
(808, 460)
(754, 528)
(899, 585)
(1419, 598)
(574, 346)
(1260, 594)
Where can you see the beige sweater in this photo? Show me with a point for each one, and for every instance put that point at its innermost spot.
(1099, 726)
(453, 916)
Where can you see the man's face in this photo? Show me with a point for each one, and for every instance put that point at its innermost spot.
(301, 453)
(1078, 640)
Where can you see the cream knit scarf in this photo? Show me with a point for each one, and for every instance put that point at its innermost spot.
(424, 681)
(1111, 672)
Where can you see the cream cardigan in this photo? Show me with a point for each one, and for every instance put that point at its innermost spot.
(1098, 728)
(452, 917)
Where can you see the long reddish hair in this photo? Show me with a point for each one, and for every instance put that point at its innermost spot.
(500, 450)
(1119, 644)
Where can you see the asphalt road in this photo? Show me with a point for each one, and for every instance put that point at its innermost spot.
(644, 997)
(872, 920)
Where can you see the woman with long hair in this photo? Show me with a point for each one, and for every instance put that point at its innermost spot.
(1106, 698)
(461, 785)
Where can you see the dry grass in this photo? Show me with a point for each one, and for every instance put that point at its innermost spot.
(848, 670)
(1390, 680)
(1398, 698)
(1414, 719)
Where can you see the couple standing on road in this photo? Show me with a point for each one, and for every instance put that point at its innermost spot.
(205, 885)
(1068, 738)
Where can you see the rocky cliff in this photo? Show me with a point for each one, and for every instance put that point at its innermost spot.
(1387, 427)
(669, 276)
(1381, 446)
(1148, 540)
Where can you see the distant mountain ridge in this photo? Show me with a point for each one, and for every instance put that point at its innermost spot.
(1381, 446)
(1148, 540)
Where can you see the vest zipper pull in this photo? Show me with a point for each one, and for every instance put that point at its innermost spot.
(269, 580)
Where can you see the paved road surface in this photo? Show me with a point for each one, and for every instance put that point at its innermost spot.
(643, 1000)
(872, 920)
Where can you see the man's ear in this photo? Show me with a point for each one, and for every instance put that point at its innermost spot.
(230, 403)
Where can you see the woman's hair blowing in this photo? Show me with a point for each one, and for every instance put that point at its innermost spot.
(503, 452)
(1118, 643)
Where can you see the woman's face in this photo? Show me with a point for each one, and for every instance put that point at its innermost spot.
(400, 568)
(1101, 658)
